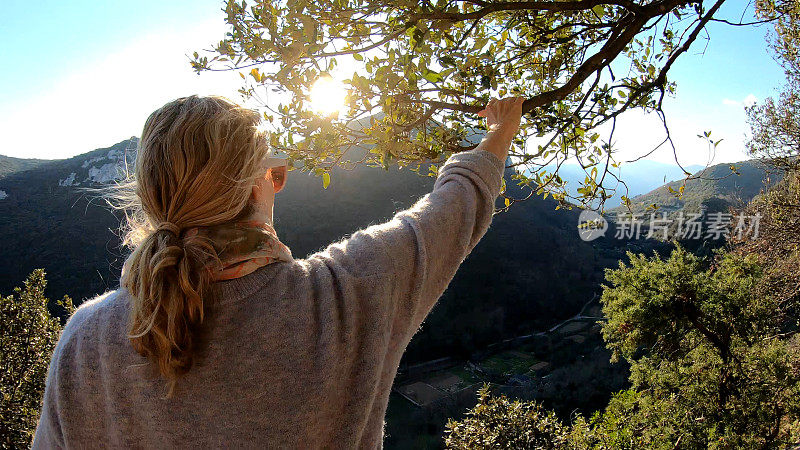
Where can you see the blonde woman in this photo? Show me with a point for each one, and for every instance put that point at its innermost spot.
(217, 337)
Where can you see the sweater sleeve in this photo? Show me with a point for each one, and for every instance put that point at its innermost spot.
(48, 431)
(62, 374)
(428, 242)
(404, 265)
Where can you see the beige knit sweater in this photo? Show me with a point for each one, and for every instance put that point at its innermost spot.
(294, 355)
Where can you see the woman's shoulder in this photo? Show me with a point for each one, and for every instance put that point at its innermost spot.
(91, 318)
(100, 304)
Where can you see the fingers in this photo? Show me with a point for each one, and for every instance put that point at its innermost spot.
(505, 101)
(500, 107)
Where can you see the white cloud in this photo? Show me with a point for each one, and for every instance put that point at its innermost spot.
(750, 100)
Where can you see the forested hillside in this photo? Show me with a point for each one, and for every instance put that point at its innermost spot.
(9, 165)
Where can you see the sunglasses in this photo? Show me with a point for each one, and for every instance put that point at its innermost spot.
(274, 161)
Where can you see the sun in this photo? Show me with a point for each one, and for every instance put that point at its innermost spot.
(327, 96)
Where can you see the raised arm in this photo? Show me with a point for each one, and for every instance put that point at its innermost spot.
(503, 118)
(429, 241)
(421, 248)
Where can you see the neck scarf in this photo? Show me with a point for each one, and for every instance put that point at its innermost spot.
(243, 247)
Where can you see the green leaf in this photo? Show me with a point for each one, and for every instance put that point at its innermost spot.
(447, 61)
(433, 77)
(326, 180)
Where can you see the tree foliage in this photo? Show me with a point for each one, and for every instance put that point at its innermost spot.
(778, 241)
(28, 337)
(714, 361)
(497, 422)
(423, 69)
(774, 124)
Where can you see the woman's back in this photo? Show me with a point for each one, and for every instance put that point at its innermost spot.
(275, 362)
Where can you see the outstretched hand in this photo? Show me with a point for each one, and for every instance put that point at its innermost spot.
(503, 118)
(503, 115)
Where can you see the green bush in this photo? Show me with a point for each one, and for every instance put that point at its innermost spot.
(497, 422)
(29, 335)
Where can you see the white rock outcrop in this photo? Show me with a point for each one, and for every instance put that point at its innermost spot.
(105, 173)
(91, 161)
(104, 168)
(69, 181)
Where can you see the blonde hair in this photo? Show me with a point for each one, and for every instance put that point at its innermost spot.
(197, 161)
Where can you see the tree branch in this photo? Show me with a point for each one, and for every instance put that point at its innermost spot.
(579, 5)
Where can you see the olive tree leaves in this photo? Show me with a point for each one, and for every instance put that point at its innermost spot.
(418, 72)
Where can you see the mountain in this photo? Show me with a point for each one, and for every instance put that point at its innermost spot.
(9, 165)
(713, 189)
(529, 271)
(640, 176)
(46, 222)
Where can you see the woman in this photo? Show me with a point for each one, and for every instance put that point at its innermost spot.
(217, 337)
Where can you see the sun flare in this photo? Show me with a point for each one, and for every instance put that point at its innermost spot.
(328, 96)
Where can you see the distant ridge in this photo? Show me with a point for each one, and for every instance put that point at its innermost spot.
(640, 177)
(10, 165)
(715, 190)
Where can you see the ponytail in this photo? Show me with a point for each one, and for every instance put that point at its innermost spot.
(165, 276)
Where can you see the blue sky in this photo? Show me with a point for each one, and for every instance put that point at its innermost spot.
(80, 75)
(715, 78)
(53, 37)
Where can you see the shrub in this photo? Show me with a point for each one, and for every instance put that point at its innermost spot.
(29, 335)
(497, 422)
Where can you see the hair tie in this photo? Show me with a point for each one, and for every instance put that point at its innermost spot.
(169, 227)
